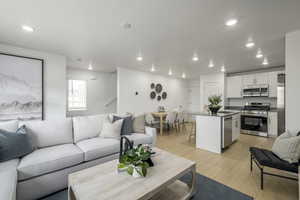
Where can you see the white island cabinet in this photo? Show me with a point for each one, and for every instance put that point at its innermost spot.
(217, 132)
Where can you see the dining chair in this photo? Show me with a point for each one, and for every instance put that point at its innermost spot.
(180, 121)
(150, 121)
(170, 120)
(191, 121)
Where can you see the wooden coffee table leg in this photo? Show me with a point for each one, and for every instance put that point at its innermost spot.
(71, 195)
(192, 184)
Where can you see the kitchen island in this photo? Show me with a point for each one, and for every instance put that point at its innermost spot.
(217, 132)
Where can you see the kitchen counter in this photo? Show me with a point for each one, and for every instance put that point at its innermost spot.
(216, 132)
(220, 114)
(240, 108)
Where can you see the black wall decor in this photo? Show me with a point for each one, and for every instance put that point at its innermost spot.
(157, 92)
(152, 95)
(164, 95)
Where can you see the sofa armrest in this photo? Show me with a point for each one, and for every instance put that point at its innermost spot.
(8, 190)
(151, 132)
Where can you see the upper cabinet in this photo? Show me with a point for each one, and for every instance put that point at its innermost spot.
(234, 87)
(256, 79)
(235, 84)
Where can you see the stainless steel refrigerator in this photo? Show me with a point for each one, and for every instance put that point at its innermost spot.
(281, 102)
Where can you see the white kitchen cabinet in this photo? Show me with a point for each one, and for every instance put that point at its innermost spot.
(234, 87)
(248, 79)
(273, 84)
(272, 124)
(236, 126)
(256, 79)
(262, 78)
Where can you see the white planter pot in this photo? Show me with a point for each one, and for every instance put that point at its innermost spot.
(135, 173)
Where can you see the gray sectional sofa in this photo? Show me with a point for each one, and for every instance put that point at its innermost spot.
(62, 147)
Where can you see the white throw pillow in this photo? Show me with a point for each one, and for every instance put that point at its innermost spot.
(87, 127)
(112, 130)
(287, 147)
(10, 126)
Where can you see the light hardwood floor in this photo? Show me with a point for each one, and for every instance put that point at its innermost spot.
(232, 168)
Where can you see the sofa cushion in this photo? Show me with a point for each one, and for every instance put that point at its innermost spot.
(98, 147)
(49, 159)
(10, 126)
(9, 189)
(15, 144)
(140, 138)
(8, 175)
(86, 127)
(8, 165)
(50, 133)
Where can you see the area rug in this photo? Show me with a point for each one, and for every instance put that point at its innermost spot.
(207, 189)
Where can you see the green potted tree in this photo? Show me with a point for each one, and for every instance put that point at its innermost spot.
(214, 105)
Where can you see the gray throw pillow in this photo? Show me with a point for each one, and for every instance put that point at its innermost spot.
(127, 127)
(15, 144)
(139, 124)
(287, 147)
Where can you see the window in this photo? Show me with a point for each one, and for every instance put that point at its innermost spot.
(77, 95)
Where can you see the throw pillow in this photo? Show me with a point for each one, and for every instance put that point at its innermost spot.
(112, 130)
(139, 124)
(14, 144)
(287, 147)
(127, 124)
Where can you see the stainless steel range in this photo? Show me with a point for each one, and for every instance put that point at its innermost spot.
(254, 119)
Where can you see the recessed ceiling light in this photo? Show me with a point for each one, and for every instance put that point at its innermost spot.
(250, 44)
(259, 54)
(27, 28)
(90, 67)
(211, 64)
(152, 68)
(183, 75)
(223, 69)
(231, 22)
(265, 62)
(170, 72)
(139, 57)
(195, 58)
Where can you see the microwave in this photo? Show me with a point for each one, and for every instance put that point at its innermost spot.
(256, 91)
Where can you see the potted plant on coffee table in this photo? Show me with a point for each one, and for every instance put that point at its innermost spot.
(214, 105)
(136, 161)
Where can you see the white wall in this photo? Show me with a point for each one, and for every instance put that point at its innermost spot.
(193, 95)
(292, 81)
(130, 81)
(54, 79)
(211, 84)
(101, 91)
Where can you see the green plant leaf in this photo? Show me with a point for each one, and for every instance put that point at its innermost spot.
(130, 170)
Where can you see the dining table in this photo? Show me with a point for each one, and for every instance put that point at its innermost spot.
(161, 116)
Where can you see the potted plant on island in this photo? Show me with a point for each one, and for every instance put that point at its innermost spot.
(136, 161)
(214, 105)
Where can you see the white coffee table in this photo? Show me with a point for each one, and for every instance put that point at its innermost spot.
(103, 182)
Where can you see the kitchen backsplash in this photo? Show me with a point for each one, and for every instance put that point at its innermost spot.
(243, 101)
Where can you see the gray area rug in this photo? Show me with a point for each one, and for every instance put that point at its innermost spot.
(208, 189)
